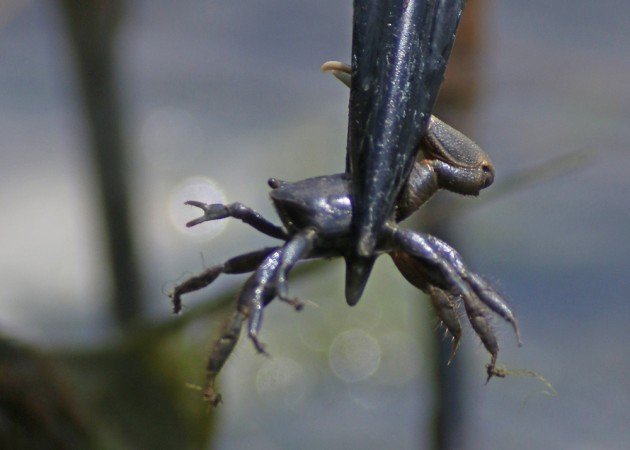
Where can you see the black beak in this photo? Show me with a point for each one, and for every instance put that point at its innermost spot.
(357, 273)
(399, 54)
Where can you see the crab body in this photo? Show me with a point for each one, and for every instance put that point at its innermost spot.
(316, 215)
(321, 203)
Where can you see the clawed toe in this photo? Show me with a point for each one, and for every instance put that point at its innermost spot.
(197, 204)
(212, 211)
(296, 303)
(493, 300)
(259, 346)
(282, 292)
(176, 301)
(492, 371)
(194, 284)
(454, 347)
(446, 310)
(211, 396)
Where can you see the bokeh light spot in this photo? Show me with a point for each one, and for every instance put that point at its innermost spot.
(200, 189)
(354, 355)
(281, 379)
(401, 360)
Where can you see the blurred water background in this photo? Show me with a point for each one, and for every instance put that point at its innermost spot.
(218, 97)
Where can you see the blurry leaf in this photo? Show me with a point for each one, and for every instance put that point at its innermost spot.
(133, 393)
(139, 397)
(37, 410)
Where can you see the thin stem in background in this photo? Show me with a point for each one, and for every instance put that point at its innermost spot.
(92, 28)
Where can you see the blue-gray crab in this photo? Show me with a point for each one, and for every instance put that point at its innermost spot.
(316, 216)
(398, 156)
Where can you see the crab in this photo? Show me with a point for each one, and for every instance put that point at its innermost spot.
(316, 216)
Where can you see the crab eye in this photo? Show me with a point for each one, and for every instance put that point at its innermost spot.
(488, 172)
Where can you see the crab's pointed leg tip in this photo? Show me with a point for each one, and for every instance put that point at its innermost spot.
(194, 222)
(213, 398)
(490, 372)
(517, 331)
(296, 303)
(263, 350)
(454, 348)
(299, 306)
(491, 367)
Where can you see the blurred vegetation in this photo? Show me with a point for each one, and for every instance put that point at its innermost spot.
(131, 393)
(92, 30)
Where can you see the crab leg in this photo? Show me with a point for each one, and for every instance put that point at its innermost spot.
(299, 247)
(422, 247)
(245, 263)
(483, 290)
(257, 292)
(269, 281)
(414, 271)
(221, 350)
(478, 318)
(216, 211)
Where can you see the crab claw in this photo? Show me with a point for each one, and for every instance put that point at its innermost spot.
(211, 212)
